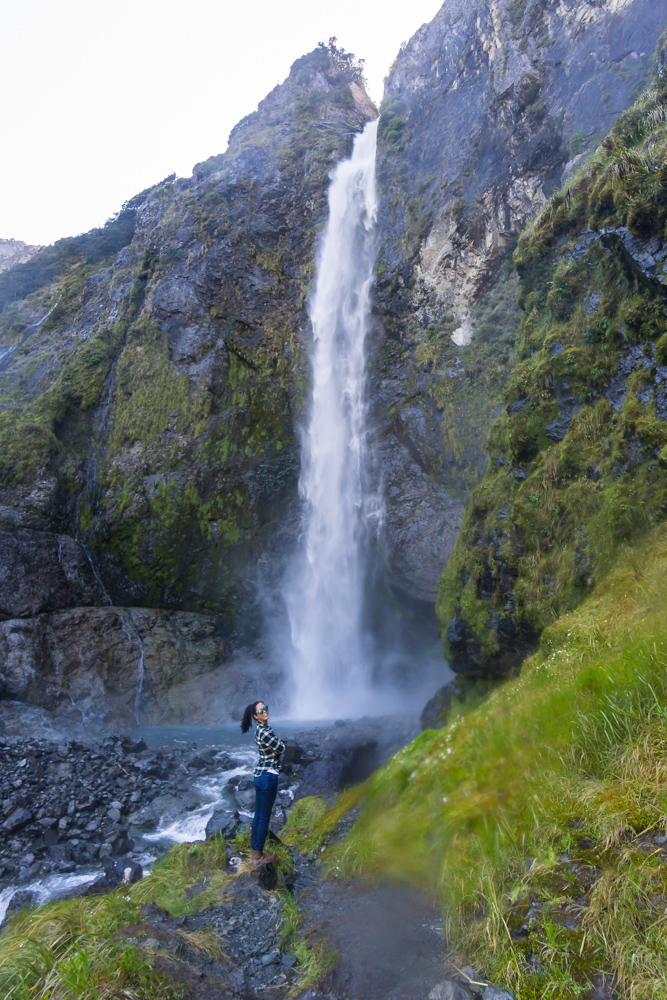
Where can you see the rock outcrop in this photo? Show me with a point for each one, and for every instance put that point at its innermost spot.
(159, 386)
(111, 663)
(486, 110)
(14, 252)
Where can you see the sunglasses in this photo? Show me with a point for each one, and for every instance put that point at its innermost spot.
(263, 711)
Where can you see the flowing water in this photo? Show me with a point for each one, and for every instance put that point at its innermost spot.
(331, 662)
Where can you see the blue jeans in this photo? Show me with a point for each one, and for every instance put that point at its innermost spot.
(266, 787)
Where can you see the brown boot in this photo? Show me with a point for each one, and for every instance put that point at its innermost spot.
(259, 858)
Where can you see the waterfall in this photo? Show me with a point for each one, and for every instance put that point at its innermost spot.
(325, 595)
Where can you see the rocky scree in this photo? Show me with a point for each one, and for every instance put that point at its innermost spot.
(69, 806)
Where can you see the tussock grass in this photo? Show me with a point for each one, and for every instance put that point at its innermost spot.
(311, 822)
(491, 812)
(67, 950)
(73, 949)
(191, 878)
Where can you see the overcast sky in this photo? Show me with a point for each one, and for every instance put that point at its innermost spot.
(101, 98)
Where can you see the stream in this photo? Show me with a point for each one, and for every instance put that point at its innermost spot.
(70, 806)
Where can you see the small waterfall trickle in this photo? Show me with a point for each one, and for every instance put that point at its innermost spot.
(325, 595)
(131, 630)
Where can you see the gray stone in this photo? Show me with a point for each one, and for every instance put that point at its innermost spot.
(17, 819)
(245, 799)
(40, 571)
(222, 821)
(271, 957)
(449, 989)
(496, 993)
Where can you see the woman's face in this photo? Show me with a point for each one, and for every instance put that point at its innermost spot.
(262, 712)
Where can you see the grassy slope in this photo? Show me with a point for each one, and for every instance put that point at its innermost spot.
(572, 753)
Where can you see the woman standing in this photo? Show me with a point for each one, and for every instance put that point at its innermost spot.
(266, 777)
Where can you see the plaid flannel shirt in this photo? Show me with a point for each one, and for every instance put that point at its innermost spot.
(270, 749)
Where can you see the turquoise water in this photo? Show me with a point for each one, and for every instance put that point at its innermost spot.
(226, 737)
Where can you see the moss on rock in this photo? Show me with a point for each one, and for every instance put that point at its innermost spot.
(574, 460)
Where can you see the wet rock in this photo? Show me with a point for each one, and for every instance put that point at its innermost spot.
(421, 524)
(21, 900)
(93, 658)
(223, 821)
(434, 714)
(348, 752)
(40, 571)
(245, 799)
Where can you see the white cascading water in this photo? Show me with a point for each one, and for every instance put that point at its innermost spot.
(330, 662)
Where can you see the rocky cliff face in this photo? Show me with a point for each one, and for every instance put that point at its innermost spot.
(152, 377)
(486, 110)
(578, 452)
(14, 252)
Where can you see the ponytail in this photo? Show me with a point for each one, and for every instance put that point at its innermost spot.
(248, 716)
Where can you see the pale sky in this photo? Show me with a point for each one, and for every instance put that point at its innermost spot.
(102, 98)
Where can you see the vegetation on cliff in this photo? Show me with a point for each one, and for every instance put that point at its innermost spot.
(155, 368)
(577, 461)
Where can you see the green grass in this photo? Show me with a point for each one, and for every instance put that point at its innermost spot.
(314, 958)
(481, 812)
(74, 949)
(311, 823)
(68, 950)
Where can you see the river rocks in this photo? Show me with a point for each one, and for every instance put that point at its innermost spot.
(16, 819)
(69, 806)
(223, 821)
